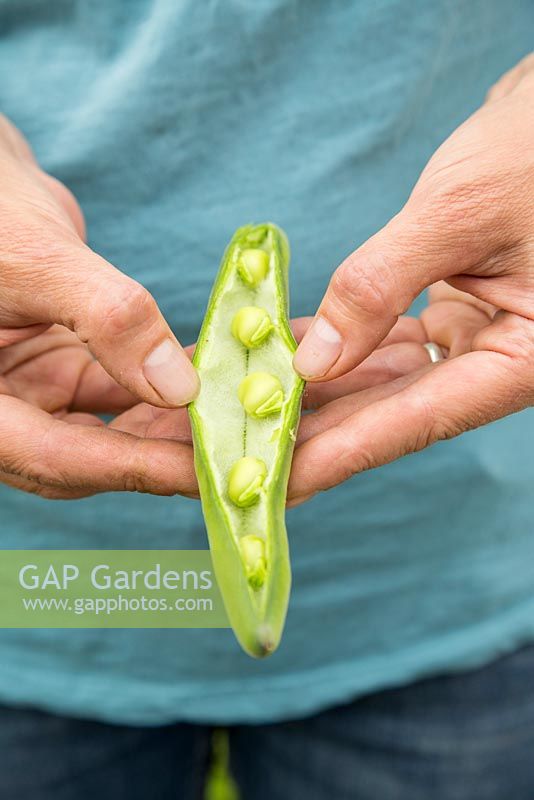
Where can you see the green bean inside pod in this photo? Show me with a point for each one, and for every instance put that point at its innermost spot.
(261, 394)
(252, 266)
(243, 424)
(246, 480)
(251, 326)
(253, 551)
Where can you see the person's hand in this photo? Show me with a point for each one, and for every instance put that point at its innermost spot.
(470, 222)
(49, 277)
(452, 318)
(53, 444)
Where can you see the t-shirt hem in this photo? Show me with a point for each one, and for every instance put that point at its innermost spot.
(265, 700)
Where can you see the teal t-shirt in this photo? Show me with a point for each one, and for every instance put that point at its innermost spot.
(174, 122)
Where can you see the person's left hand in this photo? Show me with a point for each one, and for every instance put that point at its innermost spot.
(53, 381)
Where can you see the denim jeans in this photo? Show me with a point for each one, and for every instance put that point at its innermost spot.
(468, 736)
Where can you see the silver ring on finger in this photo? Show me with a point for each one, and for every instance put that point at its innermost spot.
(434, 351)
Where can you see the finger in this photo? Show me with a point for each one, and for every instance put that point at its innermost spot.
(58, 493)
(98, 392)
(298, 501)
(449, 398)
(384, 365)
(299, 326)
(443, 290)
(453, 325)
(48, 379)
(55, 364)
(47, 492)
(506, 291)
(116, 316)
(52, 338)
(508, 82)
(334, 412)
(11, 336)
(37, 447)
(155, 423)
(406, 329)
(430, 239)
(77, 418)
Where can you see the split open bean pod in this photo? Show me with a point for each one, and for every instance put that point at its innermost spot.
(244, 422)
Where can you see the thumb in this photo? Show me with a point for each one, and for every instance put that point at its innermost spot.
(117, 318)
(372, 288)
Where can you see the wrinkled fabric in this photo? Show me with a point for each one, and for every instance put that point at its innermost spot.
(174, 122)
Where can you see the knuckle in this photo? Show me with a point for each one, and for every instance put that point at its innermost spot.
(148, 470)
(366, 461)
(439, 429)
(137, 476)
(366, 286)
(431, 426)
(128, 308)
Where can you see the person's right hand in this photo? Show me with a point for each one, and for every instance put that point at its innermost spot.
(50, 277)
(469, 221)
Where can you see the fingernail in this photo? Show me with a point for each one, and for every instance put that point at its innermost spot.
(171, 374)
(319, 349)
